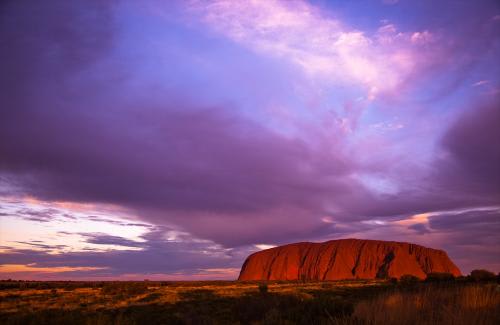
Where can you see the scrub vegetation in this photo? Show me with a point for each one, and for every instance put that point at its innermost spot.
(474, 299)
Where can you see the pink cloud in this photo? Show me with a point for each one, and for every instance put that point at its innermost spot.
(323, 47)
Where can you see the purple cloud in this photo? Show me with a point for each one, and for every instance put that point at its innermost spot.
(472, 155)
(420, 228)
(104, 239)
(158, 256)
(116, 222)
(39, 244)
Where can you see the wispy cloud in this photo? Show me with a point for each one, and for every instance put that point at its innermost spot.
(32, 271)
(39, 244)
(321, 45)
(105, 239)
(480, 83)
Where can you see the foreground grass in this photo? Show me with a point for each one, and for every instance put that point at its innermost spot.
(341, 302)
(431, 304)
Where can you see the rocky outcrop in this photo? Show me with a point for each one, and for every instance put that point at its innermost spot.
(345, 259)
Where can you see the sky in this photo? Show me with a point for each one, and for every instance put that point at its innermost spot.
(167, 140)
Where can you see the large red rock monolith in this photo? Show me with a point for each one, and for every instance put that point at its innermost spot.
(345, 259)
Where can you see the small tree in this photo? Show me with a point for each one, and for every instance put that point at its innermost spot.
(482, 275)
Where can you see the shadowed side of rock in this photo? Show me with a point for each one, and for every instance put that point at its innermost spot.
(345, 259)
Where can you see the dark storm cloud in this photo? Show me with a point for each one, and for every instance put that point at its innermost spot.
(473, 153)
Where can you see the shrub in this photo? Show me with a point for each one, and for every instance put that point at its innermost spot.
(151, 297)
(263, 288)
(124, 288)
(463, 279)
(482, 275)
(439, 277)
(137, 288)
(408, 279)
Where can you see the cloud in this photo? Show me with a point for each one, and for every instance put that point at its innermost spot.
(20, 269)
(480, 83)
(470, 158)
(44, 215)
(104, 239)
(157, 256)
(420, 228)
(206, 164)
(117, 222)
(471, 237)
(320, 44)
(39, 244)
(471, 220)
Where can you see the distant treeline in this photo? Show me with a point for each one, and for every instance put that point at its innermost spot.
(111, 286)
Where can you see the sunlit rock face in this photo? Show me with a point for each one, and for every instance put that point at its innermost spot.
(345, 259)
